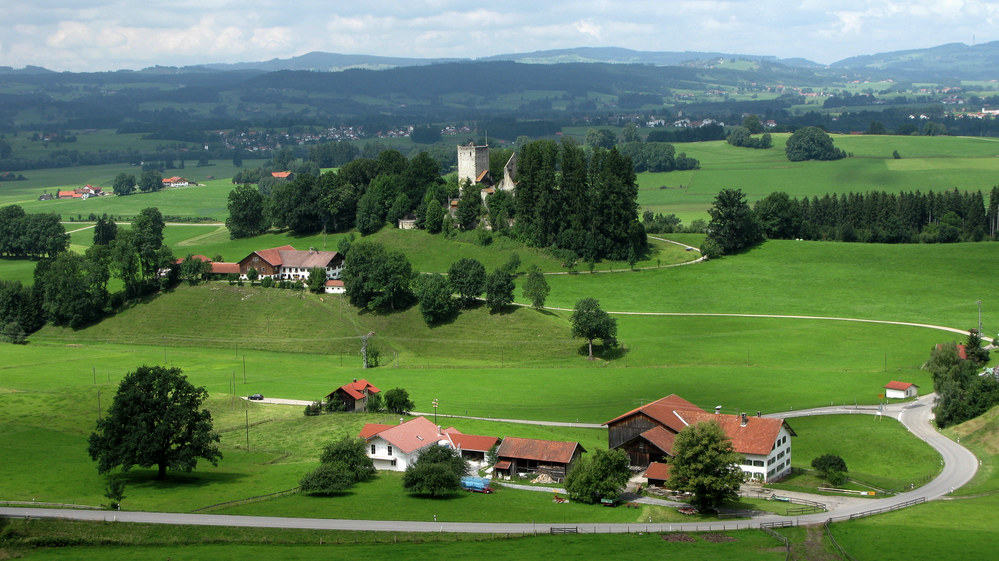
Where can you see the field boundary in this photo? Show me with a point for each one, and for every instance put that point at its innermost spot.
(249, 500)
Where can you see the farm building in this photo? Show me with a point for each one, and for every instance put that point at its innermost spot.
(394, 447)
(528, 455)
(176, 181)
(354, 395)
(901, 390)
(647, 434)
(657, 474)
(288, 263)
(335, 286)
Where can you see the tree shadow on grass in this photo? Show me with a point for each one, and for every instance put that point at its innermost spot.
(146, 478)
(607, 352)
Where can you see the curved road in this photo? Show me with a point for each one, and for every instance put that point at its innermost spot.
(960, 466)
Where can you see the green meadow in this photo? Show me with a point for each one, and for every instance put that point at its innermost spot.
(926, 164)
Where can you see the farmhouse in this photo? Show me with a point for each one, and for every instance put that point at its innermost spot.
(552, 457)
(354, 395)
(288, 263)
(176, 181)
(900, 390)
(287, 175)
(647, 434)
(394, 447)
(335, 286)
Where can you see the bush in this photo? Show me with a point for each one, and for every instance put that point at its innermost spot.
(327, 479)
(267, 282)
(313, 409)
(710, 249)
(832, 467)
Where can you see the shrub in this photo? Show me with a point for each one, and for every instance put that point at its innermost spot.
(313, 409)
(267, 282)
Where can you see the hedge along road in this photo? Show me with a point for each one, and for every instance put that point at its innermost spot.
(960, 466)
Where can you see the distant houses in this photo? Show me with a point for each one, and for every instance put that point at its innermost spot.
(177, 181)
(288, 263)
(84, 192)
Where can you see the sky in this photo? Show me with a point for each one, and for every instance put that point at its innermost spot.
(99, 35)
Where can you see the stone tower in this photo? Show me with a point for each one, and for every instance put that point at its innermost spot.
(472, 161)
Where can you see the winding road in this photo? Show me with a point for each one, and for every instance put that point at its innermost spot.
(960, 466)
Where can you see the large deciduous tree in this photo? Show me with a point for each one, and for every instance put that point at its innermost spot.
(150, 180)
(603, 475)
(155, 419)
(397, 401)
(590, 322)
(434, 294)
(468, 278)
(124, 184)
(246, 213)
(499, 290)
(105, 230)
(705, 464)
(437, 471)
(341, 464)
(811, 143)
(376, 278)
(733, 225)
(536, 288)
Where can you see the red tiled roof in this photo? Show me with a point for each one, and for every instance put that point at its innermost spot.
(664, 411)
(539, 450)
(356, 388)
(756, 437)
(280, 174)
(502, 465)
(66, 194)
(411, 435)
(225, 268)
(371, 429)
(962, 352)
(902, 386)
(201, 257)
(273, 255)
(334, 282)
(473, 442)
(660, 438)
(658, 471)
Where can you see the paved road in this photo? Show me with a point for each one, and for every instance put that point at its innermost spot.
(960, 466)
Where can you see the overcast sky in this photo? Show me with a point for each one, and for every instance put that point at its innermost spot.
(92, 35)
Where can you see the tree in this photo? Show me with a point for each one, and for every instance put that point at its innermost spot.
(397, 401)
(327, 479)
(74, 290)
(733, 224)
(469, 206)
(124, 184)
(105, 230)
(374, 403)
(973, 348)
(590, 322)
(246, 213)
(317, 280)
(349, 452)
(434, 294)
(376, 278)
(600, 138)
(468, 278)
(194, 270)
(252, 275)
(705, 464)
(811, 143)
(499, 290)
(115, 492)
(832, 467)
(778, 216)
(155, 419)
(13, 333)
(150, 180)
(752, 123)
(536, 288)
(437, 471)
(604, 474)
(630, 132)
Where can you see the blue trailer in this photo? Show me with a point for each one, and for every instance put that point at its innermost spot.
(476, 485)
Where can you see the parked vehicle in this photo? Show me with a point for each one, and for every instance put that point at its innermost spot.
(476, 485)
(257, 397)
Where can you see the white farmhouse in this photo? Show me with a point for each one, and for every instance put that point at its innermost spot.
(395, 447)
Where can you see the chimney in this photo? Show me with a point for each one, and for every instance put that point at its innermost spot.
(355, 380)
(439, 431)
(717, 409)
(744, 420)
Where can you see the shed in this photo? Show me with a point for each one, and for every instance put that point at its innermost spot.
(657, 474)
(901, 390)
(543, 456)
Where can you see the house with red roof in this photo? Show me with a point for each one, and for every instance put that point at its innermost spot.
(288, 263)
(283, 175)
(901, 390)
(395, 447)
(354, 395)
(176, 181)
(529, 455)
(647, 435)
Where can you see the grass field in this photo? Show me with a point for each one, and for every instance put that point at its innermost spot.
(927, 163)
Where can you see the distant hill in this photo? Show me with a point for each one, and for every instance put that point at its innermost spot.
(329, 62)
(951, 61)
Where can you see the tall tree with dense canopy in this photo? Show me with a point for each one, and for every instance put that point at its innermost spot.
(397, 401)
(124, 184)
(376, 278)
(705, 464)
(499, 290)
(536, 288)
(603, 475)
(150, 180)
(246, 213)
(590, 322)
(155, 419)
(468, 278)
(811, 143)
(105, 230)
(733, 224)
(434, 294)
(74, 290)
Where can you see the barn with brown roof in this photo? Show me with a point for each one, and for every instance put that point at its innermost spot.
(529, 455)
(647, 434)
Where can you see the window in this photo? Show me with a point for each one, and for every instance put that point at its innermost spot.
(758, 463)
(770, 462)
(372, 449)
(393, 461)
(390, 450)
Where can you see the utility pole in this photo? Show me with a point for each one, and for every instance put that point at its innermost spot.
(979, 318)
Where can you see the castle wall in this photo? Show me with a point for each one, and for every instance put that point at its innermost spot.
(472, 160)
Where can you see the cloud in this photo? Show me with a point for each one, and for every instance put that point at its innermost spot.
(587, 27)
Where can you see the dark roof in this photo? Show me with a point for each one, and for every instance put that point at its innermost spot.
(554, 451)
